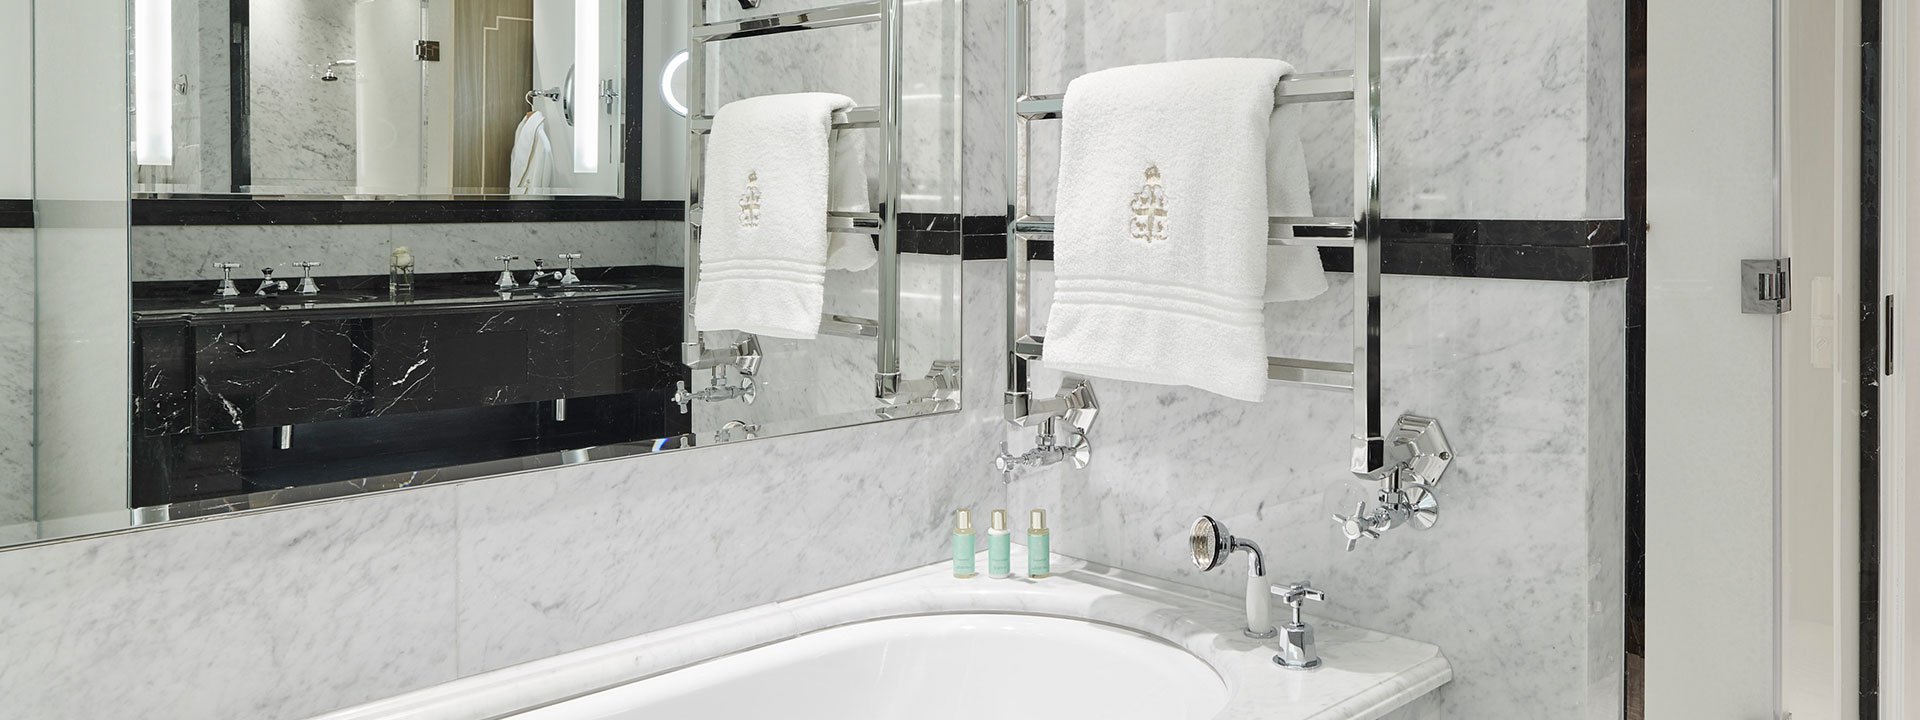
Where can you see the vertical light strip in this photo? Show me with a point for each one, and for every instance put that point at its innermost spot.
(586, 86)
(153, 81)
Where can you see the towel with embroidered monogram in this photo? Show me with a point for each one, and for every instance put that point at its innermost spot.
(1160, 244)
(764, 242)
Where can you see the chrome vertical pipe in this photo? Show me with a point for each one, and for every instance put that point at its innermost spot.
(692, 348)
(887, 376)
(1368, 445)
(1018, 393)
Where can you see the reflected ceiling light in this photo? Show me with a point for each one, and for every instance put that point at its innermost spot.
(586, 67)
(153, 82)
(666, 84)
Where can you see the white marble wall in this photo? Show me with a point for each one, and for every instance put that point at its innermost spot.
(1522, 582)
(16, 386)
(1489, 110)
(847, 61)
(302, 128)
(190, 252)
(371, 596)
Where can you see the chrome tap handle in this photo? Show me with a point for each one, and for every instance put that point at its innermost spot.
(506, 281)
(268, 285)
(307, 284)
(226, 288)
(1360, 525)
(568, 277)
(682, 396)
(1297, 651)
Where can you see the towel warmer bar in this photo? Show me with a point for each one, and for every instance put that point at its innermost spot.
(1416, 446)
(884, 224)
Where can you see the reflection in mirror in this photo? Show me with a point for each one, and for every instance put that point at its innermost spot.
(512, 98)
(283, 362)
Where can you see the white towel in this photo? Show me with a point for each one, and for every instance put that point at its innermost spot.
(1160, 252)
(763, 245)
(1293, 272)
(530, 167)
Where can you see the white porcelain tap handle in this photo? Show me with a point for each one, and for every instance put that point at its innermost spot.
(1259, 606)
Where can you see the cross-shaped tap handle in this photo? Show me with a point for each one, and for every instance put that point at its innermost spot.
(505, 258)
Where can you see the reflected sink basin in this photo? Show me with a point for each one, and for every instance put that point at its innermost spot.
(566, 289)
(293, 299)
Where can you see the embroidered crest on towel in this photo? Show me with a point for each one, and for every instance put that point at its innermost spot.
(750, 202)
(1149, 222)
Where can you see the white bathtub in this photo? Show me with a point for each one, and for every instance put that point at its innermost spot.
(934, 667)
(1089, 642)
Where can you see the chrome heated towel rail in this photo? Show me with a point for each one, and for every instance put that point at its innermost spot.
(883, 224)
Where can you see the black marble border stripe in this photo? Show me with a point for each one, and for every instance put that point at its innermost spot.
(1551, 250)
(1870, 342)
(16, 213)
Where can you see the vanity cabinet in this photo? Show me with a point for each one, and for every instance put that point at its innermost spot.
(227, 403)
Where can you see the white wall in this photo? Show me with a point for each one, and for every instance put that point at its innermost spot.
(16, 118)
(389, 104)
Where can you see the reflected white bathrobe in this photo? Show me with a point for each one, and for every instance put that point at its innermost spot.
(532, 162)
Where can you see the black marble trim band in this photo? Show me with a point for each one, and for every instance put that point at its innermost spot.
(1868, 639)
(1552, 250)
(16, 213)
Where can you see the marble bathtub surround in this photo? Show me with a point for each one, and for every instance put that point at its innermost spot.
(1365, 674)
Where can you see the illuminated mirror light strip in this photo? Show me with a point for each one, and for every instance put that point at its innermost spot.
(153, 81)
(586, 88)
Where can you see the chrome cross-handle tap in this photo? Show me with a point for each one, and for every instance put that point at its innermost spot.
(268, 285)
(227, 289)
(1059, 441)
(566, 276)
(307, 285)
(506, 281)
(717, 390)
(1296, 636)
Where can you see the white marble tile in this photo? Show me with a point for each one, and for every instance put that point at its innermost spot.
(1492, 110)
(556, 561)
(468, 247)
(190, 252)
(302, 128)
(1518, 584)
(278, 615)
(16, 386)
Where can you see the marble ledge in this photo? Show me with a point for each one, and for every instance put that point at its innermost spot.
(1366, 674)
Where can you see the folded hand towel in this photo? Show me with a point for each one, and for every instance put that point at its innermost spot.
(1160, 251)
(1293, 272)
(763, 245)
(850, 251)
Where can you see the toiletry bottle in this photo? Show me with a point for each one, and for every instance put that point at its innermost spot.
(1039, 565)
(963, 544)
(999, 547)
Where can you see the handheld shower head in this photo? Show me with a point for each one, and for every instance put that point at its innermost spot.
(1211, 544)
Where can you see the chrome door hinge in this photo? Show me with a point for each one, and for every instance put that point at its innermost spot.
(427, 51)
(1766, 286)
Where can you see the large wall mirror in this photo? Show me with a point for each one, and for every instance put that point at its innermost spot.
(279, 346)
(388, 98)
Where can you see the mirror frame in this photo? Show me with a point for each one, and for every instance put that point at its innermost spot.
(284, 209)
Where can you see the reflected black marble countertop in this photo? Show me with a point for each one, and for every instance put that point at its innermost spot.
(367, 296)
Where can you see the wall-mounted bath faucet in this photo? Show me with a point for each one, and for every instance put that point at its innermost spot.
(1417, 455)
(717, 390)
(269, 286)
(1211, 545)
(1296, 637)
(1059, 441)
(506, 281)
(307, 285)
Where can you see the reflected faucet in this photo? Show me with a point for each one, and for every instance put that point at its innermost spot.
(328, 76)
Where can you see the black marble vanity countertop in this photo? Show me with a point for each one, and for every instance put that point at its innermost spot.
(365, 296)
